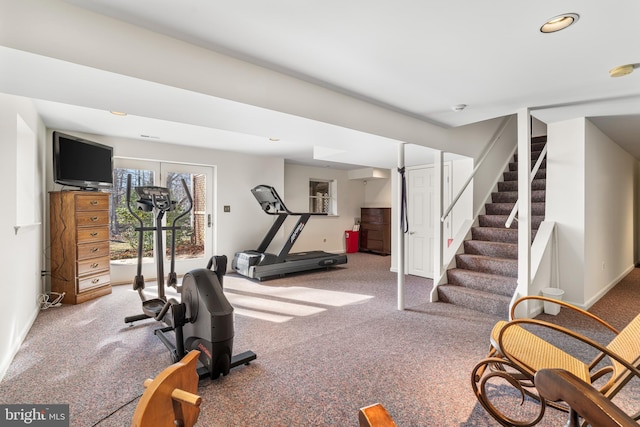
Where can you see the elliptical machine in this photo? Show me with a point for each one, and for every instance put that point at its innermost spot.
(204, 319)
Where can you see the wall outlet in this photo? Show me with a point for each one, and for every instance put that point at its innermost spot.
(227, 208)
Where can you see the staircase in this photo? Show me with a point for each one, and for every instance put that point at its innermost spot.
(486, 274)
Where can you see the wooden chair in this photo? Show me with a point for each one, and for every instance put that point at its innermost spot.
(375, 416)
(170, 399)
(517, 354)
(583, 400)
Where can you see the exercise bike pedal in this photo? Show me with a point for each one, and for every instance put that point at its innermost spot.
(153, 307)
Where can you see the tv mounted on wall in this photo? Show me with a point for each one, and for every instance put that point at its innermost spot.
(81, 163)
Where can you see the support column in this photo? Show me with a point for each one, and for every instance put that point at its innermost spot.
(438, 172)
(524, 201)
(400, 248)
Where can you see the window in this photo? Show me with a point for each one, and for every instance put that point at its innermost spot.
(322, 196)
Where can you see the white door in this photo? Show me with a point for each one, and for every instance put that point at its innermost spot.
(195, 239)
(420, 205)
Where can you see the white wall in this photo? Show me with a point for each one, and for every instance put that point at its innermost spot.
(377, 192)
(463, 210)
(565, 202)
(609, 213)
(479, 136)
(320, 233)
(235, 176)
(538, 128)
(21, 253)
(590, 196)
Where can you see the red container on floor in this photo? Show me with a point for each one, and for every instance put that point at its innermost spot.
(351, 241)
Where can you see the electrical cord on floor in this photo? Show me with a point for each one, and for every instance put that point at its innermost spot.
(117, 409)
(44, 300)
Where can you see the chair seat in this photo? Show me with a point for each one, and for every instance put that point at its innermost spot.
(517, 354)
(535, 353)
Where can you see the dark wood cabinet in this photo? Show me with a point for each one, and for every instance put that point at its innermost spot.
(79, 233)
(375, 230)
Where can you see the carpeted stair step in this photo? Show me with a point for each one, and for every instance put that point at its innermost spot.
(485, 276)
(484, 302)
(494, 234)
(490, 265)
(513, 175)
(492, 249)
(536, 139)
(498, 221)
(512, 196)
(491, 234)
(537, 208)
(537, 145)
(513, 166)
(536, 184)
(534, 156)
(485, 282)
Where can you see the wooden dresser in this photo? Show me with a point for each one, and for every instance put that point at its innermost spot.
(375, 230)
(79, 234)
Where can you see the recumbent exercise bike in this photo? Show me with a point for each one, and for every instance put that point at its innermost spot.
(204, 319)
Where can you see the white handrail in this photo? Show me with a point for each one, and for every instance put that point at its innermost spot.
(514, 211)
(497, 136)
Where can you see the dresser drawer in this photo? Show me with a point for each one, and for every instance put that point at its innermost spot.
(93, 281)
(373, 234)
(376, 215)
(373, 227)
(92, 266)
(93, 234)
(93, 250)
(91, 218)
(375, 245)
(79, 242)
(92, 202)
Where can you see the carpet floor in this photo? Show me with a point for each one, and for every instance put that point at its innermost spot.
(327, 343)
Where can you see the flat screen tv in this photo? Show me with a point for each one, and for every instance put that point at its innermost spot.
(81, 163)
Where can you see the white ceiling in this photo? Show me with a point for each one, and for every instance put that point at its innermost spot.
(415, 57)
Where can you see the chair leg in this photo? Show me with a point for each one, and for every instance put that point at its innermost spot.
(573, 420)
(375, 416)
(501, 370)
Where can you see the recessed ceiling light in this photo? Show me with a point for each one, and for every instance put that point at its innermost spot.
(459, 107)
(273, 139)
(118, 113)
(622, 70)
(559, 22)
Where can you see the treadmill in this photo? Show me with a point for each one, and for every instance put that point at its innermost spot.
(258, 264)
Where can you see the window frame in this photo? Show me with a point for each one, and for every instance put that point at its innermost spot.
(330, 198)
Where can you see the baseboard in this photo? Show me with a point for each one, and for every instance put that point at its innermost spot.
(607, 288)
(13, 350)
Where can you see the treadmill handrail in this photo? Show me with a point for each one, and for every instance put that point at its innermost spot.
(275, 201)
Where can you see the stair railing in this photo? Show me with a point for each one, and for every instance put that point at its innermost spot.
(514, 211)
(497, 136)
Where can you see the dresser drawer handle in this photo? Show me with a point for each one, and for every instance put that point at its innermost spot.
(94, 250)
(94, 281)
(94, 202)
(93, 234)
(94, 218)
(95, 265)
